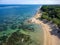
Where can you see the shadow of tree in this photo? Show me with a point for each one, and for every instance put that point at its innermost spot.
(55, 32)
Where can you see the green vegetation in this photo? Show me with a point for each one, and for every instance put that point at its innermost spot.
(26, 34)
(51, 13)
(13, 28)
(18, 38)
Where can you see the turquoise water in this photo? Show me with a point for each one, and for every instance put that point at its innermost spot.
(12, 19)
(14, 15)
(17, 12)
(22, 10)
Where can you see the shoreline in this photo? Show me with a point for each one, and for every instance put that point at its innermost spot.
(48, 38)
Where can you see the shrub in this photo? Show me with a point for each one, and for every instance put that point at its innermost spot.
(56, 21)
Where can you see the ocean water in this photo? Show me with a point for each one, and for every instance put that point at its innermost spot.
(12, 19)
(17, 12)
(23, 10)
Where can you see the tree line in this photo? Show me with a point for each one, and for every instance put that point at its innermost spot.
(51, 13)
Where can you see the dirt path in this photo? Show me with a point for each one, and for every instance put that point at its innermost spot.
(48, 38)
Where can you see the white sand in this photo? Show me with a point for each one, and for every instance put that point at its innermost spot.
(48, 38)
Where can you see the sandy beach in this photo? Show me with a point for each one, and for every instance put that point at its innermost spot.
(48, 38)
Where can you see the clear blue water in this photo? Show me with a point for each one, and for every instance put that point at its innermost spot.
(12, 19)
(17, 11)
(14, 15)
(23, 10)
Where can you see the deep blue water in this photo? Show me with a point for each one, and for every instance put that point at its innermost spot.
(17, 11)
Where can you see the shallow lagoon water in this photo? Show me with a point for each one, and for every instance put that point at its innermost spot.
(37, 35)
(12, 16)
